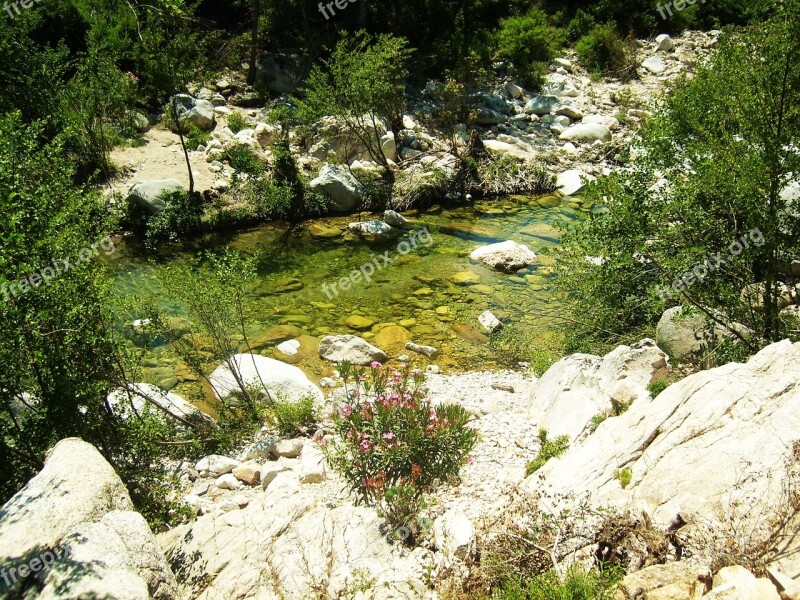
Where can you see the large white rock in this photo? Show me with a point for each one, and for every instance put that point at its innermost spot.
(508, 256)
(541, 105)
(131, 400)
(215, 465)
(338, 348)
(389, 146)
(78, 505)
(586, 132)
(283, 382)
(453, 534)
(655, 64)
(664, 43)
(580, 386)
(374, 231)
(149, 195)
(286, 543)
(712, 448)
(199, 113)
(340, 186)
(573, 181)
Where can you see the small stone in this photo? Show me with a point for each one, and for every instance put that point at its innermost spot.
(359, 323)
(215, 465)
(269, 471)
(428, 351)
(249, 473)
(312, 465)
(287, 448)
(228, 482)
(489, 322)
(465, 278)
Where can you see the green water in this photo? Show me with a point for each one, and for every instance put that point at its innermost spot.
(412, 298)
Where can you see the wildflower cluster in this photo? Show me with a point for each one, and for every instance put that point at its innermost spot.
(392, 445)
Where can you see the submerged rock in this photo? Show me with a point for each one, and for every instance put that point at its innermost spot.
(508, 256)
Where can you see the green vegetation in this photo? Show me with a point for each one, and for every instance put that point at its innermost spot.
(293, 418)
(576, 584)
(392, 445)
(362, 85)
(604, 53)
(699, 194)
(236, 122)
(656, 387)
(547, 449)
(624, 476)
(529, 42)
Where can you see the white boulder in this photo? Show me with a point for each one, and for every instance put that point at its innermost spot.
(580, 386)
(338, 348)
(281, 381)
(586, 132)
(340, 186)
(573, 181)
(508, 256)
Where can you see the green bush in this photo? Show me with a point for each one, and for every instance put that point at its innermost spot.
(392, 445)
(604, 53)
(181, 217)
(577, 584)
(624, 476)
(656, 387)
(236, 122)
(193, 136)
(547, 449)
(529, 42)
(243, 160)
(541, 360)
(292, 418)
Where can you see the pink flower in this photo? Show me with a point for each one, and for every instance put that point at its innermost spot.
(345, 410)
(389, 436)
(415, 372)
(375, 365)
(470, 460)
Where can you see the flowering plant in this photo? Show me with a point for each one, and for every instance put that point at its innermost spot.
(392, 445)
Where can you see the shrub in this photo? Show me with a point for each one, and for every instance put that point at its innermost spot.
(624, 476)
(180, 218)
(604, 53)
(542, 360)
(656, 387)
(242, 158)
(577, 584)
(548, 449)
(193, 136)
(529, 42)
(581, 24)
(236, 122)
(392, 445)
(293, 417)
